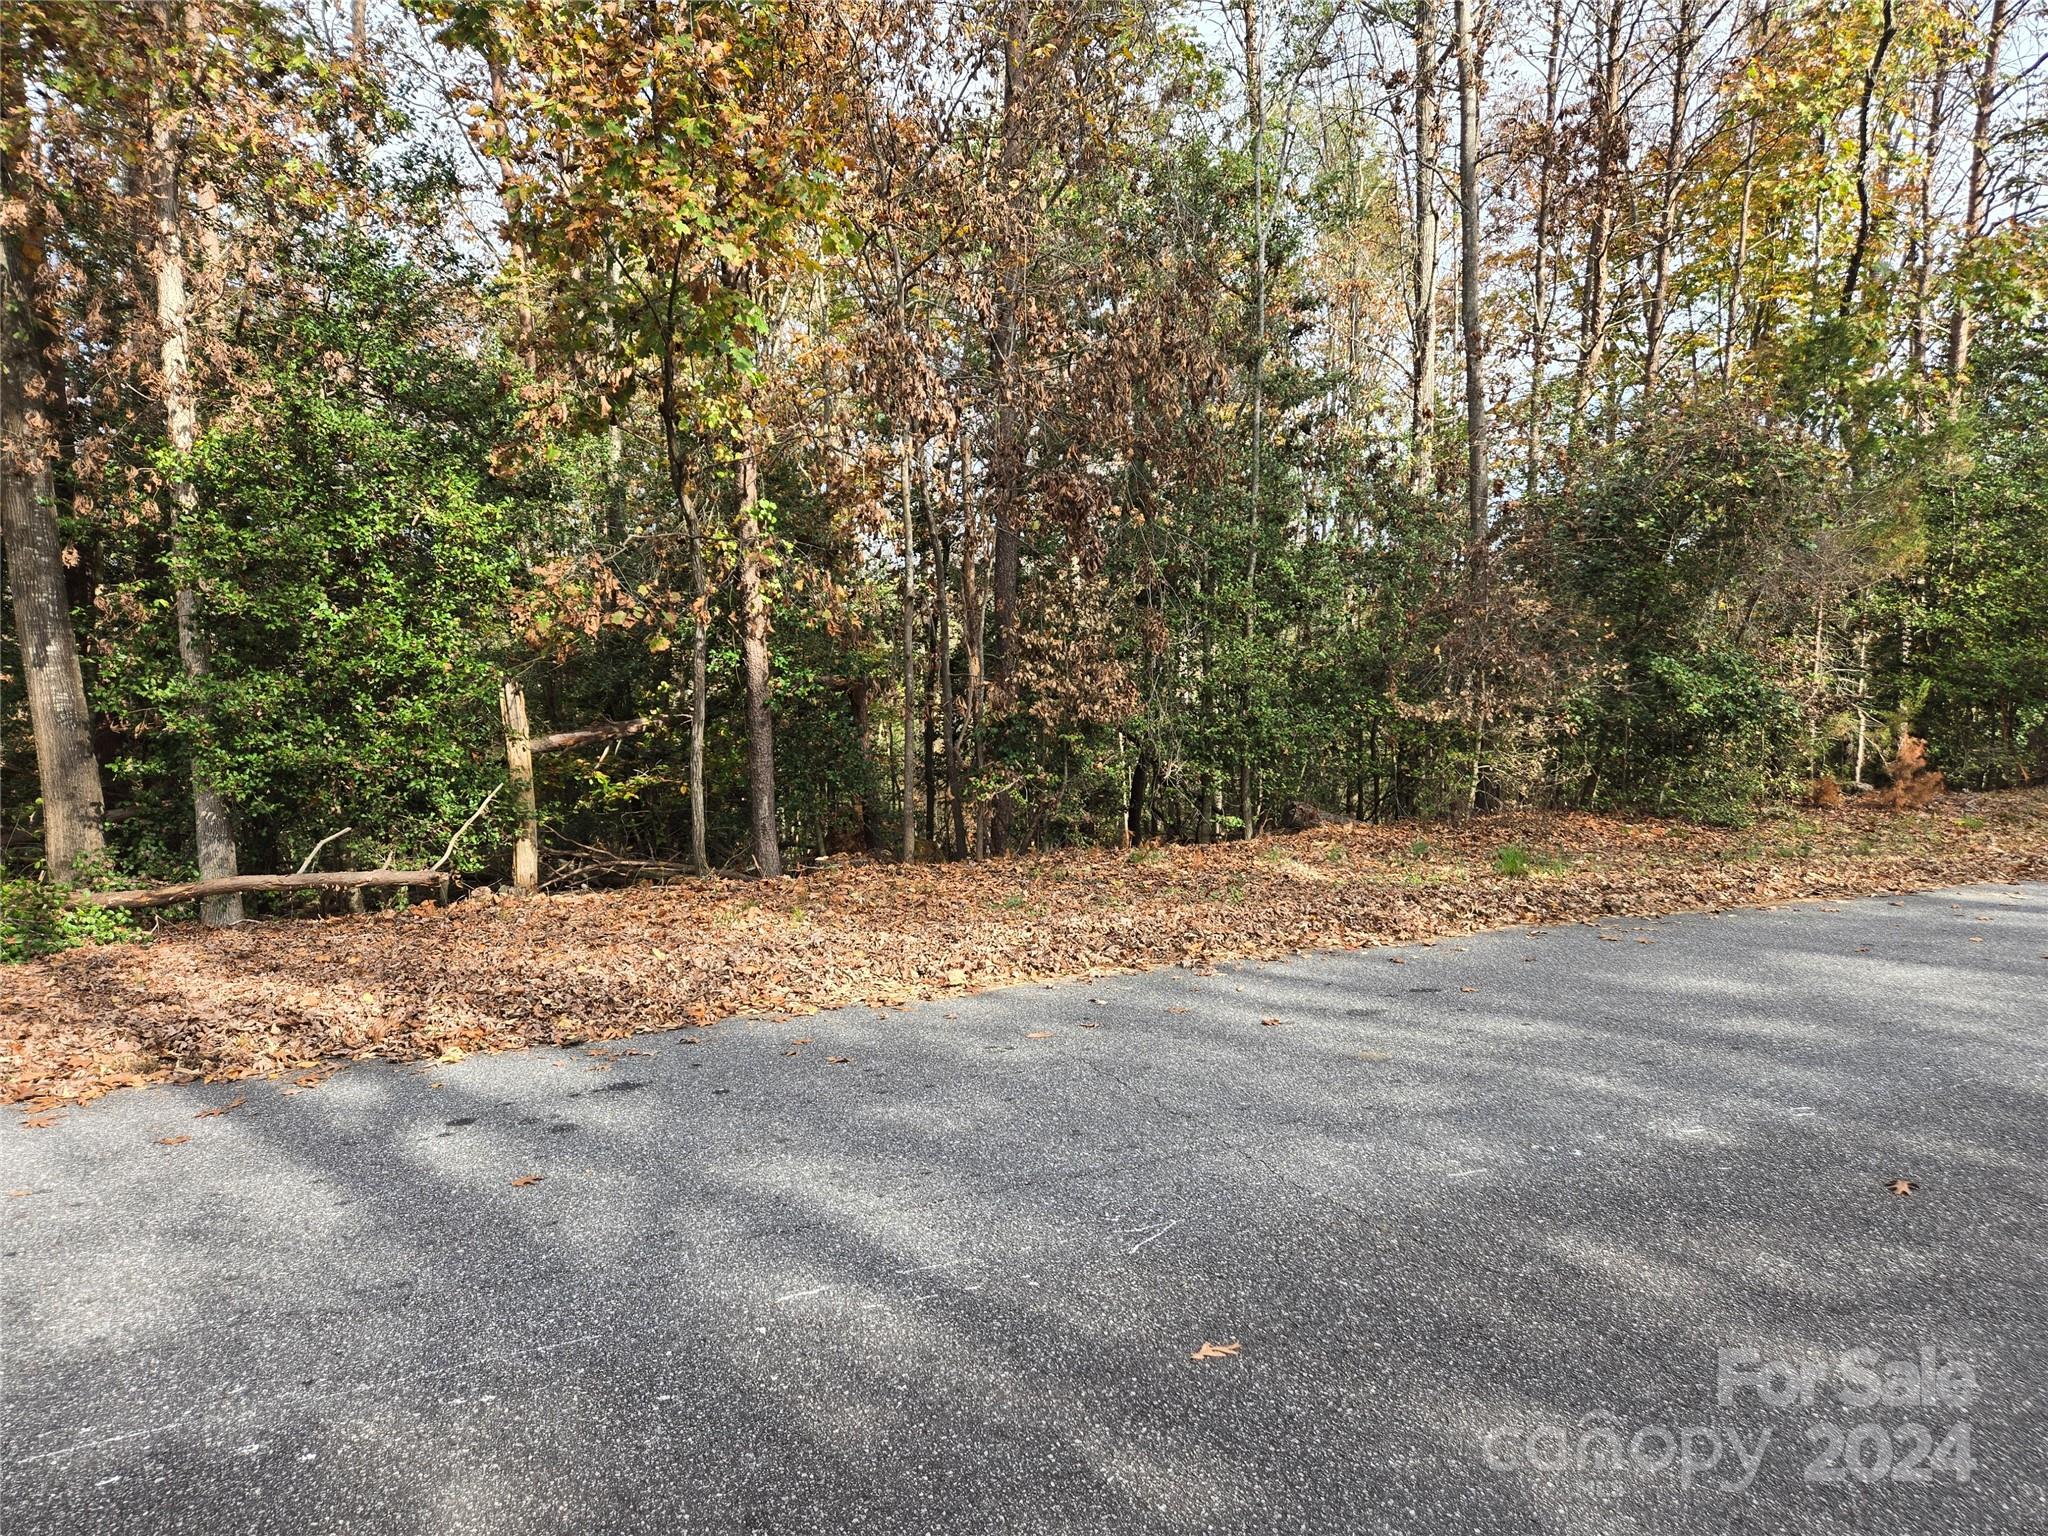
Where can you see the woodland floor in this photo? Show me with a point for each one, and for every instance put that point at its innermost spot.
(299, 997)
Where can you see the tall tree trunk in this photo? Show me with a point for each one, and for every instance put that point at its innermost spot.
(971, 622)
(1428, 129)
(942, 659)
(1923, 237)
(212, 824)
(59, 718)
(700, 648)
(1255, 113)
(681, 487)
(1255, 133)
(66, 769)
(1476, 479)
(1540, 295)
(1977, 207)
(754, 663)
(1658, 314)
(1859, 248)
(1006, 462)
(908, 596)
(1610, 159)
(1739, 260)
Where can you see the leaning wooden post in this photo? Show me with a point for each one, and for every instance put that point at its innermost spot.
(519, 772)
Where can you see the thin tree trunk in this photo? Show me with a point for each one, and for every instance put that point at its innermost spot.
(700, 648)
(1865, 209)
(971, 623)
(700, 592)
(1606, 213)
(908, 595)
(1667, 209)
(1739, 262)
(1422, 397)
(942, 604)
(1540, 297)
(59, 717)
(1977, 207)
(1006, 463)
(1476, 480)
(754, 663)
(872, 837)
(213, 826)
(1923, 237)
(1254, 62)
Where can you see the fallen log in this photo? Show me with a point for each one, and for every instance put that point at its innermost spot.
(436, 874)
(604, 730)
(241, 885)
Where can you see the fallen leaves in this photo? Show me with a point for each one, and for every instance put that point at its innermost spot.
(838, 1061)
(1037, 1034)
(1210, 1351)
(1269, 1023)
(283, 999)
(1902, 1187)
(525, 1180)
(220, 1109)
(172, 1141)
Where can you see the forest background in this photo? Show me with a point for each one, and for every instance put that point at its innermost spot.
(945, 428)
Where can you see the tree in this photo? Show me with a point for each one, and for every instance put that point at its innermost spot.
(1428, 132)
(660, 165)
(1477, 475)
(30, 403)
(176, 63)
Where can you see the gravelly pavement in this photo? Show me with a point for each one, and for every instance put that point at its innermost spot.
(953, 1284)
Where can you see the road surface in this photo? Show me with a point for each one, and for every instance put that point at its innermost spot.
(1586, 1229)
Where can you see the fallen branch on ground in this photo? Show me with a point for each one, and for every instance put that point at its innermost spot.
(243, 885)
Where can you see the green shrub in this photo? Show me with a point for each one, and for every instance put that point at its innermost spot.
(35, 919)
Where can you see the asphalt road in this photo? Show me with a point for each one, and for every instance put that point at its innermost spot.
(1508, 1236)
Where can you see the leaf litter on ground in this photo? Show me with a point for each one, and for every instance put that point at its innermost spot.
(298, 998)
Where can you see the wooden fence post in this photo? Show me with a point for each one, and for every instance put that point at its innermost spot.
(519, 772)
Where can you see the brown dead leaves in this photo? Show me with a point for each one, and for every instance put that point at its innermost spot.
(284, 999)
(1210, 1351)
